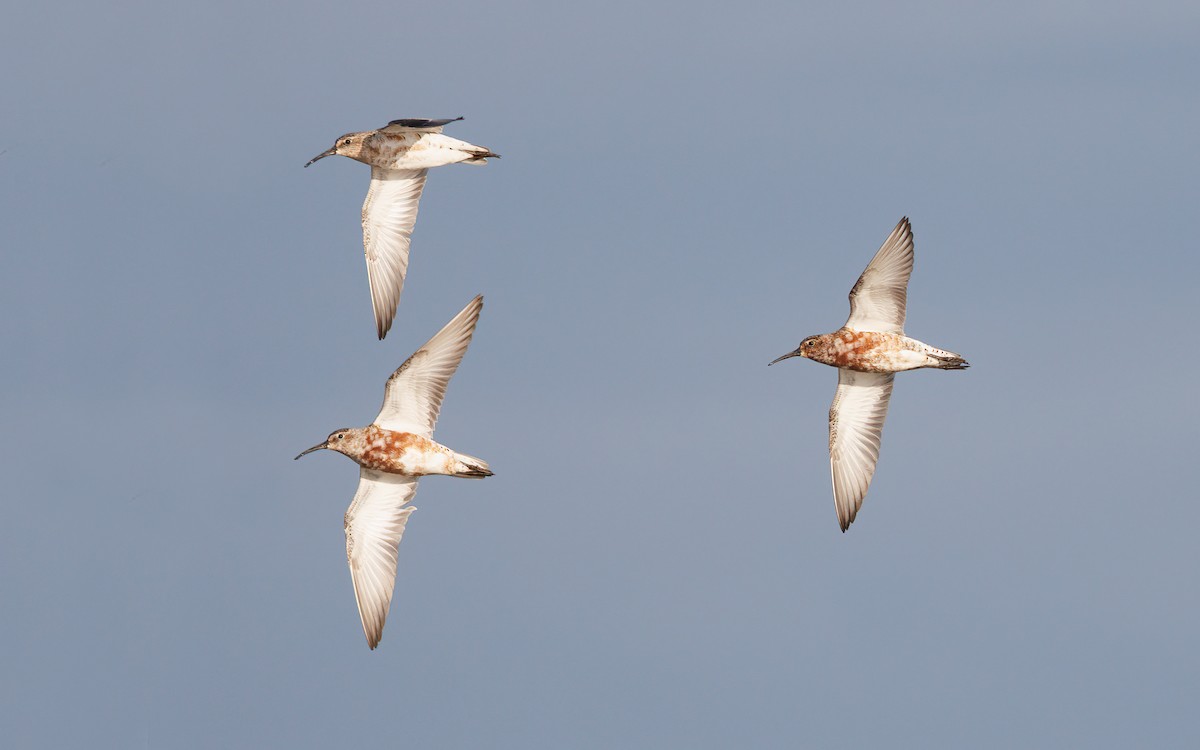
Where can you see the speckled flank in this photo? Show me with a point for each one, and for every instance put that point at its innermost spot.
(414, 150)
(404, 453)
(860, 350)
(386, 149)
(870, 351)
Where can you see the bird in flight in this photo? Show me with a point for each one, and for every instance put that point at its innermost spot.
(393, 452)
(868, 350)
(400, 155)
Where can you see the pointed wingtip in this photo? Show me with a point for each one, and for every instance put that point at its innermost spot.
(382, 326)
(473, 308)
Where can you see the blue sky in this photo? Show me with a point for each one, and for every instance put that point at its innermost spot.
(687, 190)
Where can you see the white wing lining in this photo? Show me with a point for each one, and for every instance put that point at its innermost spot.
(855, 428)
(374, 525)
(388, 216)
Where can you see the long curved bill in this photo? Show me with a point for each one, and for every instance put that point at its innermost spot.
(314, 448)
(789, 355)
(321, 156)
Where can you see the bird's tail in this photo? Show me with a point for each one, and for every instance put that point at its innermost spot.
(463, 152)
(950, 361)
(481, 156)
(940, 358)
(471, 467)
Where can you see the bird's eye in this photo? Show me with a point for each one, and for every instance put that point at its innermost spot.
(346, 142)
(341, 436)
(811, 342)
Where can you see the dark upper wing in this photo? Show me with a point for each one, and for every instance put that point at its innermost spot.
(417, 123)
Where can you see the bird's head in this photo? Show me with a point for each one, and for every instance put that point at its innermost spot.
(346, 440)
(812, 347)
(350, 144)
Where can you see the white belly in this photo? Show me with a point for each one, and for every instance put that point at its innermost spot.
(434, 150)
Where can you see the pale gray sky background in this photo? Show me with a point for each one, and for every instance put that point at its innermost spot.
(687, 190)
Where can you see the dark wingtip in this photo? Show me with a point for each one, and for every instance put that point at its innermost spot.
(845, 522)
(422, 122)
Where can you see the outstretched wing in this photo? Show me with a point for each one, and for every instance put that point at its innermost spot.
(417, 123)
(880, 297)
(413, 396)
(374, 524)
(388, 216)
(855, 428)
